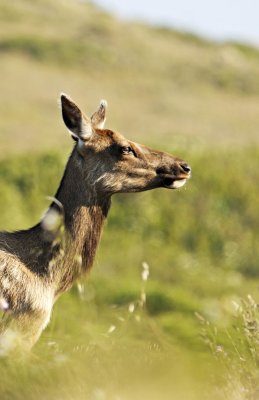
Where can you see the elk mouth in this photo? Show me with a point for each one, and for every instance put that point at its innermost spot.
(177, 177)
(174, 183)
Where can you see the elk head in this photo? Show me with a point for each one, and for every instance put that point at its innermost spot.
(112, 164)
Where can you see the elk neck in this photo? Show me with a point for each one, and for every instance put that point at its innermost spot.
(84, 213)
(59, 257)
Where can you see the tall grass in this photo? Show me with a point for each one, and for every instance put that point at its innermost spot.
(213, 219)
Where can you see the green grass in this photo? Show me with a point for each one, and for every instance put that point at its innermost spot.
(214, 217)
(201, 246)
(200, 242)
(161, 85)
(181, 94)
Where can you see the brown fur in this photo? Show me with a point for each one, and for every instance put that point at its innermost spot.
(38, 264)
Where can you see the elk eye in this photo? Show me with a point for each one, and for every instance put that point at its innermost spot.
(126, 150)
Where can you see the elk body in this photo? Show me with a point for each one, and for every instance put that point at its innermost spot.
(38, 264)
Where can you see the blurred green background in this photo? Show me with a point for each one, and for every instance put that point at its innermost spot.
(196, 336)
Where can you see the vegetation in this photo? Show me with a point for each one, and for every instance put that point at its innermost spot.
(201, 251)
(120, 333)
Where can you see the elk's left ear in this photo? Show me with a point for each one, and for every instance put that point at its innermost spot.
(99, 116)
(78, 124)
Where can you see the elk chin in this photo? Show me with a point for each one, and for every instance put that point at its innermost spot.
(171, 183)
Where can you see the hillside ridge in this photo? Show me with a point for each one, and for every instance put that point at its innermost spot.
(163, 77)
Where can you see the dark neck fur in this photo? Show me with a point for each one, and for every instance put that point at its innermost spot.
(84, 215)
(69, 253)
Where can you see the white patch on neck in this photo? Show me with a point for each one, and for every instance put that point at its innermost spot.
(81, 144)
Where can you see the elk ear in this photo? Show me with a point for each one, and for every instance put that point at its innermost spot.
(99, 116)
(77, 123)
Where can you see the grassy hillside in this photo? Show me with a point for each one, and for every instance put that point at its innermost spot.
(161, 86)
(179, 93)
(201, 247)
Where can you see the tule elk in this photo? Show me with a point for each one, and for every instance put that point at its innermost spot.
(38, 264)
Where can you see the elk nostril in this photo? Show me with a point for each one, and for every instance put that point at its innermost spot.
(185, 167)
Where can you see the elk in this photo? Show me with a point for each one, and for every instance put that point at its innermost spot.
(39, 264)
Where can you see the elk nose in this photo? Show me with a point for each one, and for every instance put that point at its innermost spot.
(185, 167)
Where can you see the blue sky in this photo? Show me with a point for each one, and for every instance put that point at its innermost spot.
(217, 19)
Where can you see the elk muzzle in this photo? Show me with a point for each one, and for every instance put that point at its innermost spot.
(174, 176)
